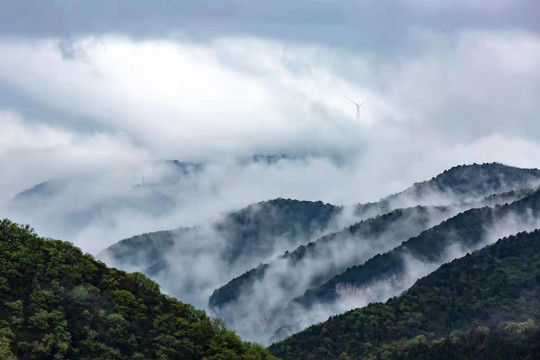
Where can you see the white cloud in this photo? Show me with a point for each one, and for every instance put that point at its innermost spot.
(175, 96)
(460, 98)
(32, 153)
(244, 95)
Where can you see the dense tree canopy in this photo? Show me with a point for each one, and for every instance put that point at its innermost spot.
(58, 303)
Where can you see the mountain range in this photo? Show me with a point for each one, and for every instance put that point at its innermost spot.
(278, 253)
(419, 274)
(268, 289)
(388, 274)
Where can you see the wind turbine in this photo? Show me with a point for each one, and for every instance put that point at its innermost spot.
(357, 107)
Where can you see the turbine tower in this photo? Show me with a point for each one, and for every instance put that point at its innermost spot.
(357, 107)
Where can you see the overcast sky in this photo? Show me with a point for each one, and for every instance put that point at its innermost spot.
(90, 86)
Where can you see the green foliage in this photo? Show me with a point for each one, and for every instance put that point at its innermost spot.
(485, 305)
(482, 343)
(5, 349)
(57, 303)
(141, 280)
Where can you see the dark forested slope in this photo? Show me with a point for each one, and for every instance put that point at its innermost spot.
(458, 184)
(247, 301)
(255, 229)
(251, 234)
(482, 306)
(361, 241)
(368, 231)
(57, 303)
(469, 182)
(467, 230)
(388, 274)
(254, 304)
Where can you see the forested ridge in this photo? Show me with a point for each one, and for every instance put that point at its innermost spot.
(388, 274)
(485, 305)
(468, 229)
(364, 230)
(465, 180)
(250, 233)
(58, 303)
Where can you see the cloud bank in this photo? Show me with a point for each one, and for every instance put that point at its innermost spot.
(111, 103)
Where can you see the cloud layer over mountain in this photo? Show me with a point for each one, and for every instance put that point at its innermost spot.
(96, 90)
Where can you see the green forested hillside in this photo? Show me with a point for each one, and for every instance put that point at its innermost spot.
(482, 306)
(58, 303)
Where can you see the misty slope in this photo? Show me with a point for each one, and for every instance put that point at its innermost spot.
(148, 199)
(43, 190)
(388, 274)
(143, 251)
(58, 303)
(248, 301)
(257, 227)
(251, 234)
(495, 288)
(493, 183)
(202, 259)
(457, 184)
(148, 192)
(461, 183)
(396, 226)
(191, 263)
(174, 171)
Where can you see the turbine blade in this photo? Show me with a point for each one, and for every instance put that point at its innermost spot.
(354, 102)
